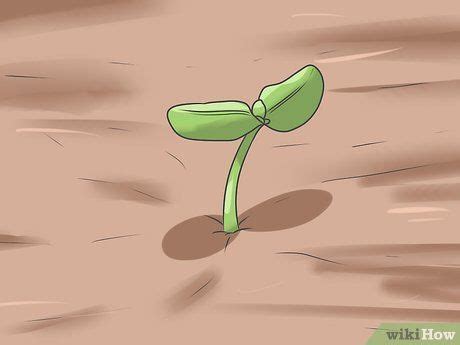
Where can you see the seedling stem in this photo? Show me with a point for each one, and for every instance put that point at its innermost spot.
(231, 189)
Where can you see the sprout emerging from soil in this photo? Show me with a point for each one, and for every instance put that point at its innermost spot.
(281, 107)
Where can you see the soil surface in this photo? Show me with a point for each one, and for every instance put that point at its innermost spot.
(109, 228)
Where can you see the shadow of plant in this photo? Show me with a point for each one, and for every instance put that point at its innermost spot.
(196, 238)
(287, 210)
(202, 236)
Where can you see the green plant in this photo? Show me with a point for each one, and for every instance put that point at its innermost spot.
(281, 107)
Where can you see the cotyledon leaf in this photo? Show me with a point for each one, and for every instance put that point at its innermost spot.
(291, 103)
(216, 121)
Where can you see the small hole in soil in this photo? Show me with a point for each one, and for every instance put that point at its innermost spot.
(194, 290)
(196, 238)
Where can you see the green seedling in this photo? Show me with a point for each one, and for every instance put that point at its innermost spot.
(281, 107)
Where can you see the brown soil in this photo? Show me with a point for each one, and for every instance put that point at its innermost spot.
(110, 229)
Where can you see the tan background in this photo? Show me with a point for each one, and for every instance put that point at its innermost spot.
(87, 155)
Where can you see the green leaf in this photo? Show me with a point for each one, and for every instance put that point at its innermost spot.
(291, 103)
(217, 121)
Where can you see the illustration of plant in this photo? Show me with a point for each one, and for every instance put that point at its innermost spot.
(281, 107)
